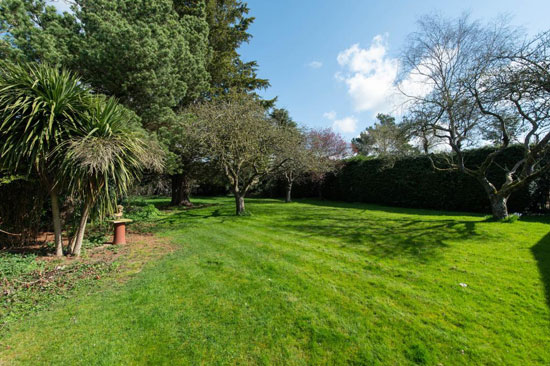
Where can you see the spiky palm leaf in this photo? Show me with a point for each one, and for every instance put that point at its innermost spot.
(38, 105)
(105, 154)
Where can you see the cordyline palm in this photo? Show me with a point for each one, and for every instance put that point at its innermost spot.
(39, 105)
(103, 157)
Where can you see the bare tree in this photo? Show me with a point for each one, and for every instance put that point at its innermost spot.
(513, 93)
(482, 84)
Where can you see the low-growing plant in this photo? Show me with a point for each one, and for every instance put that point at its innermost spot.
(12, 265)
(512, 218)
(141, 213)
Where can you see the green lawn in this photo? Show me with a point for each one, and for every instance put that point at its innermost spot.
(312, 283)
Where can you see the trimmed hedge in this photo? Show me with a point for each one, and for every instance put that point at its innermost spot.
(411, 182)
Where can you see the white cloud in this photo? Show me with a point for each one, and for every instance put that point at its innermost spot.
(315, 64)
(371, 77)
(345, 125)
(330, 115)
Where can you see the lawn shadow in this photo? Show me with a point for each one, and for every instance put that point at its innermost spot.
(388, 209)
(184, 218)
(541, 252)
(385, 236)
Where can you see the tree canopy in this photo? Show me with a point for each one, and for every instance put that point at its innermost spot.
(240, 138)
(384, 139)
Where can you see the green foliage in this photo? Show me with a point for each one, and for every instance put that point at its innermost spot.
(384, 139)
(38, 106)
(106, 154)
(512, 218)
(282, 118)
(312, 283)
(228, 22)
(29, 285)
(12, 265)
(143, 213)
(412, 182)
(94, 240)
(147, 54)
(34, 31)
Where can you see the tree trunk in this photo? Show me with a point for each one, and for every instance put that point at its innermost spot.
(72, 242)
(239, 203)
(81, 230)
(56, 215)
(288, 197)
(499, 206)
(181, 190)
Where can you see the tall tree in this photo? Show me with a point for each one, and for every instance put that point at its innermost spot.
(228, 22)
(151, 55)
(31, 30)
(482, 81)
(385, 138)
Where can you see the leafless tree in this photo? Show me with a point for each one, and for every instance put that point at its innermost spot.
(483, 83)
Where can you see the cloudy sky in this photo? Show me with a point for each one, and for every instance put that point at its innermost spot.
(333, 63)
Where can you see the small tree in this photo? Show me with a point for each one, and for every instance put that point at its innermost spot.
(102, 159)
(241, 140)
(39, 105)
(296, 159)
(326, 149)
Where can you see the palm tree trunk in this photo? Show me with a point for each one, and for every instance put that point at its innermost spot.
(56, 215)
(81, 230)
(73, 242)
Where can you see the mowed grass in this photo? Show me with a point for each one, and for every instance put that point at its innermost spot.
(312, 283)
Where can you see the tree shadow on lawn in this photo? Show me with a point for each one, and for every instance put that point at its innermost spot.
(387, 237)
(388, 209)
(541, 252)
(182, 219)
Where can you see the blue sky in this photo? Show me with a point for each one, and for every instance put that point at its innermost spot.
(329, 61)
(297, 45)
